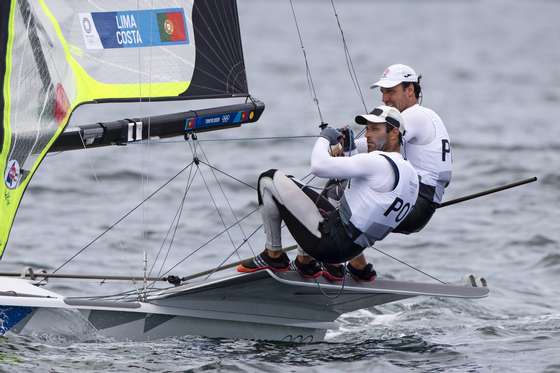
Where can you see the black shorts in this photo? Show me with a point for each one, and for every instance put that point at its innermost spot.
(417, 219)
(336, 244)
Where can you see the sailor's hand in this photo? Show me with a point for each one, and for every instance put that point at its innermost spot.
(348, 141)
(332, 135)
(336, 150)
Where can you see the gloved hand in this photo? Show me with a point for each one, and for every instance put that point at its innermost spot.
(348, 143)
(331, 134)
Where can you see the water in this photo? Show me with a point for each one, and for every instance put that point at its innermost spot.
(491, 70)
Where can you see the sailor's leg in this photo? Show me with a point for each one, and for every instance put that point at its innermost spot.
(298, 211)
(270, 214)
(324, 205)
(333, 192)
(321, 202)
(272, 257)
(359, 262)
(281, 199)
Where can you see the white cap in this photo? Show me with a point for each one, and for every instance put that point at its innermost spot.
(396, 74)
(383, 114)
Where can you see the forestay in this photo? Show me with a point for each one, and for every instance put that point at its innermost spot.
(58, 54)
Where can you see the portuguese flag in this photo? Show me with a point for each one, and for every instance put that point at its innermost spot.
(171, 26)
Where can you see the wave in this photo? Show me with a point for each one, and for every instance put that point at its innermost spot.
(122, 175)
(550, 260)
(537, 240)
(38, 190)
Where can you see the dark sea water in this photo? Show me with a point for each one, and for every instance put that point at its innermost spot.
(491, 70)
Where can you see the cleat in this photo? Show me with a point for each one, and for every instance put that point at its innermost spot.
(264, 261)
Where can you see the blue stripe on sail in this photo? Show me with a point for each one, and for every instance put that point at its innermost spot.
(11, 315)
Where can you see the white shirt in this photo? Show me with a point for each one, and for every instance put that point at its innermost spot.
(364, 165)
(428, 148)
(382, 188)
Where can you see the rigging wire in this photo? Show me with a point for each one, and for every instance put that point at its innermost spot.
(91, 165)
(121, 218)
(236, 139)
(177, 217)
(310, 83)
(209, 241)
(408, 265)
(246, 240)
(228, 202)
(228, 175)
(145, 154)
(193, 148)
(349, 63)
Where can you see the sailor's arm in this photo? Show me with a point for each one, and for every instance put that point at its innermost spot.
(360, 165)
(419, 128)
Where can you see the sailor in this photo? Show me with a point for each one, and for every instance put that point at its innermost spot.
(382, 188)
(427, 146)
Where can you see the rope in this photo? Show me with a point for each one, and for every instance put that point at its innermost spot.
(408, 265)
(310, 83)
(228, 175)
(178, 217)
(340, 291)
(246, 240)
(121, 219)
(349, 63)
(225, 140)
(209, 241)
(228, 202)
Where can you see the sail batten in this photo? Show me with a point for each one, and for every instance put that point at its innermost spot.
(56, 55)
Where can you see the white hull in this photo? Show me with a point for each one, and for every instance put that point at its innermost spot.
(261, 305)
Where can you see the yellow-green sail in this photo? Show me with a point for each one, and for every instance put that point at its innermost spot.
(57, 54)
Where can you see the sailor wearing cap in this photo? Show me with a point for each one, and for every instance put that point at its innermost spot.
(382, 190)
(426, 146)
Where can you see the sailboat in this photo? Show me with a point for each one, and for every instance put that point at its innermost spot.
(58, 55)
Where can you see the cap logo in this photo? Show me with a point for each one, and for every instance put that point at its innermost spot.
(386, 72)
(407, 75)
